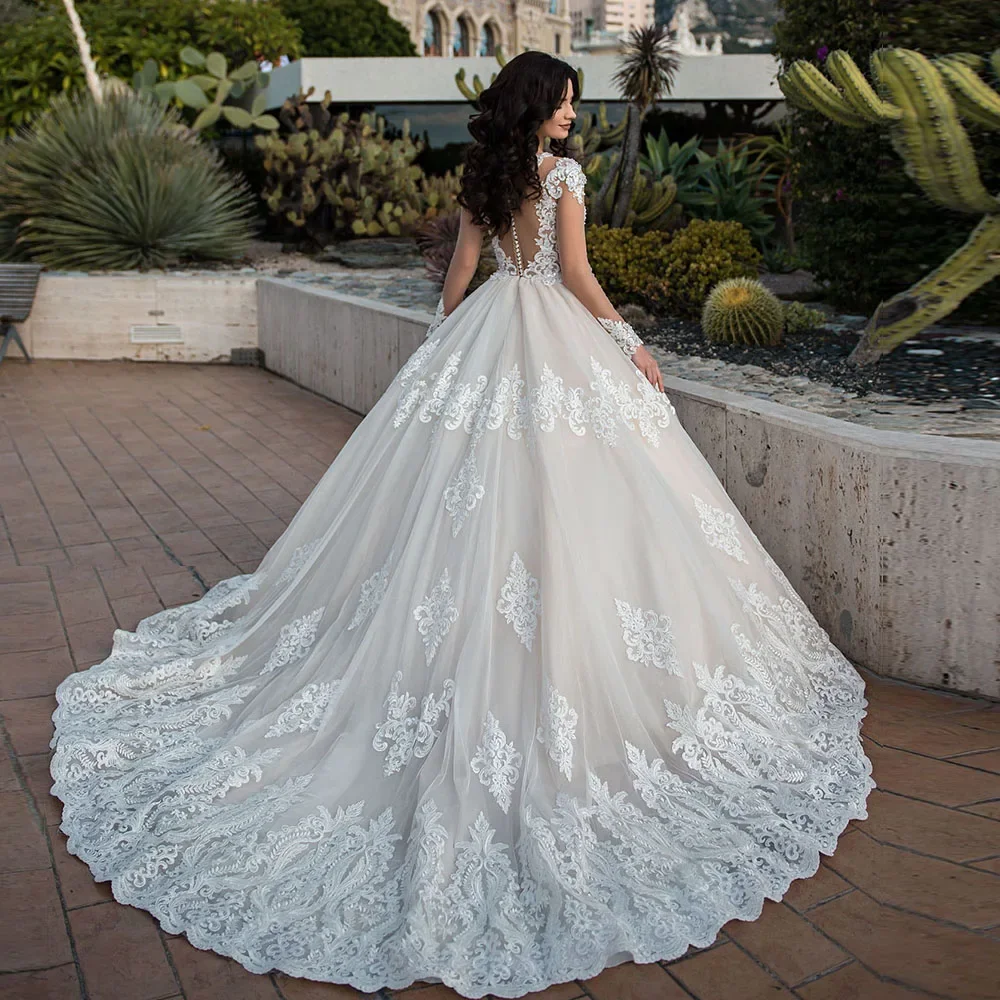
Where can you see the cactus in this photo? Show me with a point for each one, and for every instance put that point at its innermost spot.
(471, 94)
(654, 202)
(194, 91)
(336, 176)
(743, 311)
(922, 102)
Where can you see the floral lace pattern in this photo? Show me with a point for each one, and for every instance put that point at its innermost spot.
(402, 736)
(294, 641)
(464, 491)
(649, 637)
(558, 731)
(719, 527)
(436, 615)
(519, 602)
(622, 333)
(298, 559)
(372, 592)
(304, 711)
(497, 762)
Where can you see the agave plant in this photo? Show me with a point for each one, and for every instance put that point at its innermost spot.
(775, 156)
(120, 184)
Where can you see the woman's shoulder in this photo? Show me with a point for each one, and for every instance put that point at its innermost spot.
(565, 170)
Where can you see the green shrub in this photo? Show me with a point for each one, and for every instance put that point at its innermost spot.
(799, 318)
(699, 256)
(348, 28)
(864, 225)
(627, 263)
(38, 57)
(742, 311)
(122, 184)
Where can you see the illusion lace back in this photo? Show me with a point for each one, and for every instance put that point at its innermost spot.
(516, 696)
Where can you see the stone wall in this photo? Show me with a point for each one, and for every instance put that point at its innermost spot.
(891, 538)
(89, 316)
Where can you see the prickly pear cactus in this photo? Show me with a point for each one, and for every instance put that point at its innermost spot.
(922, 103)
(743, 311)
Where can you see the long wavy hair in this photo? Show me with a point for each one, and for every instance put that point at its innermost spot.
(500, 166)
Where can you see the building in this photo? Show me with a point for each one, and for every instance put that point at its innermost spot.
(599, 25)
(466, 28)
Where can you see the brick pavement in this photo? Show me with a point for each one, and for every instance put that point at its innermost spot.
(127, 488)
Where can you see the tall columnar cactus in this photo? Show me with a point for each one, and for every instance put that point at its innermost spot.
(922, 102)
(471, 94)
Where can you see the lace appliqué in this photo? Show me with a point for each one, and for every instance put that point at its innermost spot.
(439, 317)
(372, 592)
(497, 762)
(436, 615)
(298, 559)
(464, 491)
(294, 641)
(720, 529)
(403, 735)
(622, 333)
(519, 602)
(649, 638)
(304, 711)
(558, 730)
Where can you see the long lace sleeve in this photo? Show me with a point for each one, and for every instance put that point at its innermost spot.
(566, 182)
(438, 317)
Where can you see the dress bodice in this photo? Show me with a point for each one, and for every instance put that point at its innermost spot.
(544, 265)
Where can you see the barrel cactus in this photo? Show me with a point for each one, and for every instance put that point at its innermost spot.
(922, 102)
(743, 311)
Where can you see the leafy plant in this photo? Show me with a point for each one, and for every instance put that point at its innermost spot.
(648, 66)
(38, 56)
(121, 184)
(774, 156)
(348, 28)
(742, 311)
(627, 264)
(799, 318)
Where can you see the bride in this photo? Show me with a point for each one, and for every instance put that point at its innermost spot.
(518, 695)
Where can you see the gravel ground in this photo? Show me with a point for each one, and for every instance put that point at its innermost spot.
(933, 368)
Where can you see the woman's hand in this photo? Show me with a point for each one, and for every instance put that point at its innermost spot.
(645, 362)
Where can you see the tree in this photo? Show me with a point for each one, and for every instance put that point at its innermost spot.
(647, 71)
(348, 28)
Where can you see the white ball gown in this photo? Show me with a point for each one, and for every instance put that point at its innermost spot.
(518, 694)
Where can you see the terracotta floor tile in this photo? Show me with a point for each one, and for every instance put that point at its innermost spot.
(67, 579)
(90, 642)
(45, 558)
(786, 943)
(100, 554)
(174, 589)
(22, 843)
(205, 975)
(36, 630)
(75, 879)
(129, 611)
(60, 983)
(21, 598)
(305, 989)
(991, 810)
(561, 991)
(725, 973)
(29, 723)
(911, 949)
(32, 674)
(9, 781)
(82, 533)
(120, 953)
(78, 606)
(935, 737)
(989, 761)
(629, 982)
(919, 884)
(124, 581)
(930, 829)
(806, 893)
(213, 568)
(895, 699)
(31, 905)
(39, 779)
(853, 982)
(985, 718)
(184, 544)
(919, 777)
(23, 574)
(989, 865)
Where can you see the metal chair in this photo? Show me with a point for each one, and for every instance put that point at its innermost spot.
(18, 284)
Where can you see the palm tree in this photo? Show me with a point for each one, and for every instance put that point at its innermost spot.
(648, 67)
(89, 69)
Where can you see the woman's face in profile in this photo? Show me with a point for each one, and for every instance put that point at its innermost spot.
(559, 125)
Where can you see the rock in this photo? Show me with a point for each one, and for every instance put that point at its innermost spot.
(925, 352)
(376, 251)
(980, 404)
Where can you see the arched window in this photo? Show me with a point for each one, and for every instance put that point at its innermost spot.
(488, 41)
(553, 6)
(461, 43)
(433, 41)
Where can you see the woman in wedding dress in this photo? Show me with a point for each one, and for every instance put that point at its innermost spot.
(518, 694)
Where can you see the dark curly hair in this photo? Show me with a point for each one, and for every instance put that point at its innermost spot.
(500, 167)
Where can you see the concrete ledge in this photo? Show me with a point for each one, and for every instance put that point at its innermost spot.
(89, 316)
(891, 538)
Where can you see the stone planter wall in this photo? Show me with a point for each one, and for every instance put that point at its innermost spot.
(891, 538)
(89, 316)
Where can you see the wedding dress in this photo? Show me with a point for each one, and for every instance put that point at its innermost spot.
(518, 694)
